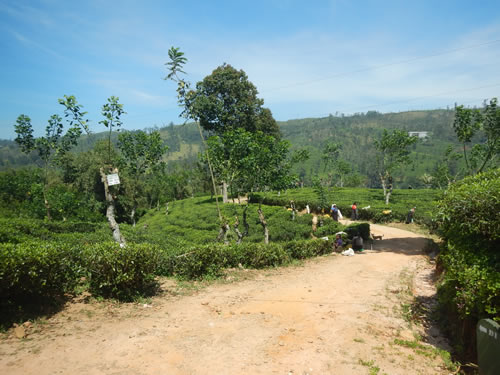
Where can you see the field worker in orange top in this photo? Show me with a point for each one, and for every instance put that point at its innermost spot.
(354, 211)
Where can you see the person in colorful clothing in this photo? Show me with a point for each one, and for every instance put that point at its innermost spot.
(409, 217)
(334, 212)
(338, 242)
(354, 211)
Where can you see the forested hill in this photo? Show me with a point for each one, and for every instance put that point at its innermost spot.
(355, 133)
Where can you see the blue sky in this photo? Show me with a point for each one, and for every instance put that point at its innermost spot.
(307, 59)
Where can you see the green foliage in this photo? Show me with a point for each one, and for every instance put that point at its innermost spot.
(393, 153)
(177, 61)
(363, 229)
(33, 271)
(53, 145)
(469, 289)
(140, 150)
(226, 99)
(469, 213)
(20, 230)
(112, 112)
(210, 260)
(471, 283)
(306, 249)
(329, 228)
(141, 153)
(468, 122)
(402, 201)
(320, 191)
(121, 273)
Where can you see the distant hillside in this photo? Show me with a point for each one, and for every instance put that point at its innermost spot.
(356, 134)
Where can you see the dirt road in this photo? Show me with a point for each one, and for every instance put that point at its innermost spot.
(331, 315)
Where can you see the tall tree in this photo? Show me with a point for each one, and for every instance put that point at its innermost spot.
(112, 112)
(226, 99)
(54, 144)
(141, 153)
(471, 121)
(393, 153)
(185, 97)
(222, 101)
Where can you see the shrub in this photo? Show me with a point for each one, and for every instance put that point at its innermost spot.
(210, 260)
(469, 222)
(33, 271)
(362, 228)
(307, 249)
(469, 213)
(20, 230)
(199, 261)
(121, 273)
(329, 228)
(261, 255)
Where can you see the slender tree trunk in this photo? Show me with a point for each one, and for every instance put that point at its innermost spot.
(294, 210)
(166, 208)
(223, 232)
(466, 160)
(388, 196)
(382, 181)
(44, 191)
(210, 168)
(486, 160)
(245, 223)
(387, 189)
(232, 192)
(238, 233)
(264, 225)
(224, 192)
(46, 203)
(110, 211)
(132, 216)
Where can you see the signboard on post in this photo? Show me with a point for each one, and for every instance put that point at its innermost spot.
(113, 179)
(488, 346)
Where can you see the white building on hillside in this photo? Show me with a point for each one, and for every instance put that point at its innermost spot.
(419, 134)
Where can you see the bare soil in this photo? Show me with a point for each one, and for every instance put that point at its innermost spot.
(330, 315)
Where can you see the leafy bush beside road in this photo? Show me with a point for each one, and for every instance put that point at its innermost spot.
(469, 289)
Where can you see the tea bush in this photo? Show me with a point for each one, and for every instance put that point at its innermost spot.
(307, 249)
(399, 205)
(329, 228)
(211, 260)
(34, 271)
(469, 222)
(122, 273)
(16, 230)
(363, 229)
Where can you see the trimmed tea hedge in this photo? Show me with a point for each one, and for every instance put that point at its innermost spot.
(400, 203)
(469, 288)
(121, 273)
(34, 271)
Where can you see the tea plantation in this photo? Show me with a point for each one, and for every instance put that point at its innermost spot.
(44, 263)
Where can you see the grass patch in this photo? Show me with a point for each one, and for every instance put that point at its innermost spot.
(374, 370)
(429, 352)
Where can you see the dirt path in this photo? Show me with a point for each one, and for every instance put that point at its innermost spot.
(333, 315)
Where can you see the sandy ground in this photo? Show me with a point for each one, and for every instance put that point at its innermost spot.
(331, 315)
